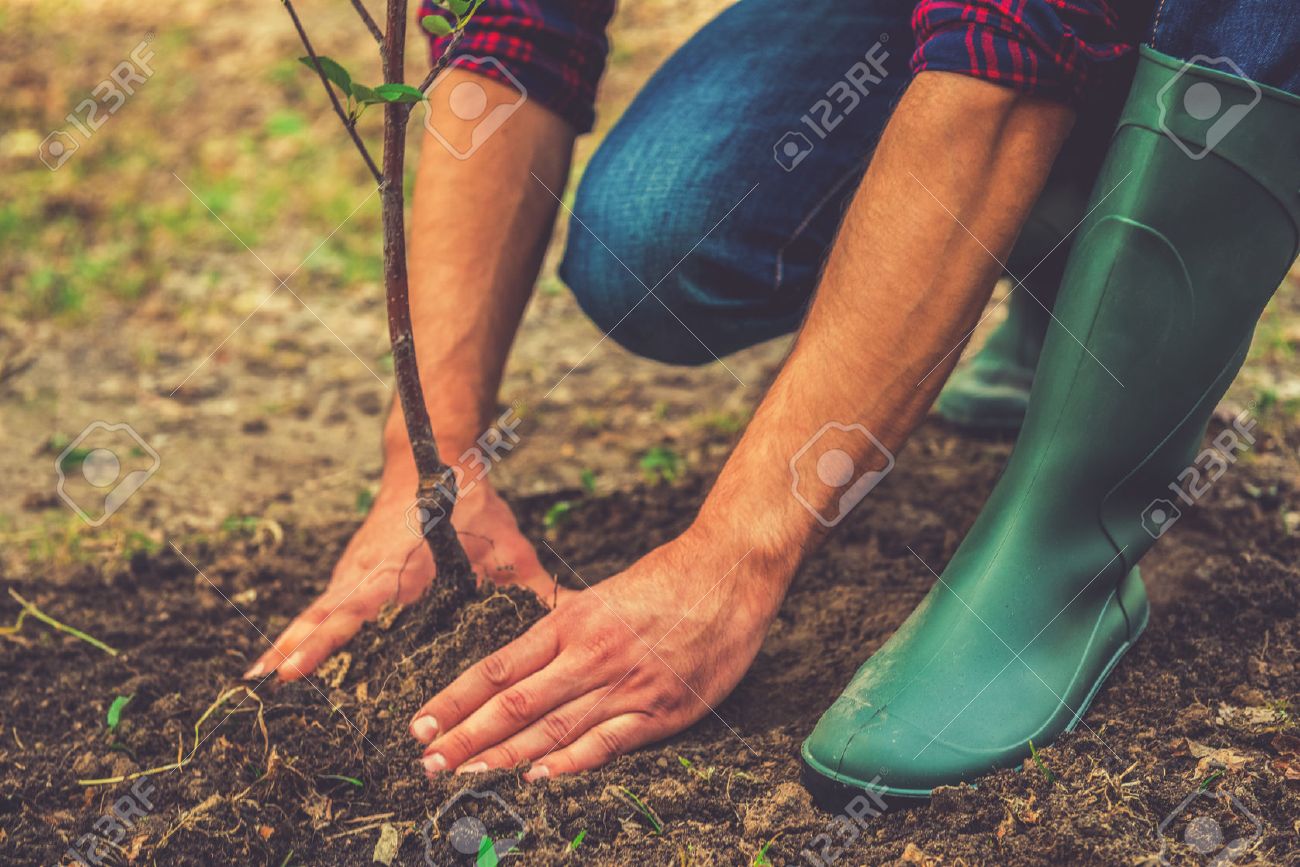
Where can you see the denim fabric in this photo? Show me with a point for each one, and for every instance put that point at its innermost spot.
(1255, 39)
(703, 221)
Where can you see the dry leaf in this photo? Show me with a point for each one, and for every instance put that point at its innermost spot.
(387, 845)
(1248, 717)
(912, 854)
(1287, 763)
(1210, 758)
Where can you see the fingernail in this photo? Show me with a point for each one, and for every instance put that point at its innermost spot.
(537, 772)
(255, 672)
(424, 729)
(433, 763)
(294, 663)
(473, 768)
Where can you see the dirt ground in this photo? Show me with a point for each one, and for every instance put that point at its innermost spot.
(1210, 687)
(123, 299)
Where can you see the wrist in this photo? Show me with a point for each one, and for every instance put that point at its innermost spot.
(760, 564)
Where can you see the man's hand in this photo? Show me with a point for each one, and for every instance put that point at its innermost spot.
(632, 660)
(386, 562)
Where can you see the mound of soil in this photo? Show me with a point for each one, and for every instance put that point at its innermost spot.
(1191, 735)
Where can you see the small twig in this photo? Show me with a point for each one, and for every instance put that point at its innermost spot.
(372, 817)
(370, 22)
(30, 608)
(442, 61)
(348, 123)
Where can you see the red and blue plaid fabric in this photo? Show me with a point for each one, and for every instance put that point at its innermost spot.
(1049, 48)
(555, 48)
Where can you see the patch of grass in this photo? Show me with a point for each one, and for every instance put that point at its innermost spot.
(245, 525)
(719, 422)
(660, 464)
(761, 859)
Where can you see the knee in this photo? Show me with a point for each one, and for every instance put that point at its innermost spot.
(625, 239)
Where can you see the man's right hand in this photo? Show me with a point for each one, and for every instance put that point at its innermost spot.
(386, 562)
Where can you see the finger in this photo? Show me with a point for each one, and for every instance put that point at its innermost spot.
(598, 745)
(308, 641)
(559, 728)
(507, 713)
(484, 679)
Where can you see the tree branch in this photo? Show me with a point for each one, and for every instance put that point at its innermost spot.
(369, 22)
(348, 123)
(442, 61)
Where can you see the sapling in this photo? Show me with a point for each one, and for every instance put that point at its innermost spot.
(436, 490)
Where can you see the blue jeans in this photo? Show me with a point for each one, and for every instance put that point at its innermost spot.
(703, 220)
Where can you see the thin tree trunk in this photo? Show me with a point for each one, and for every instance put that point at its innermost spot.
(436, 492)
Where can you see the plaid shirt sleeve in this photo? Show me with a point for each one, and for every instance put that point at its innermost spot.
(1049, 48)
(553, 49)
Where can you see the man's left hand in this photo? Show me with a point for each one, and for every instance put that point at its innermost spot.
(632, 660)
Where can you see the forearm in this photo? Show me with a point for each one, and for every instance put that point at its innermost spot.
(479, 230)
(954, 177)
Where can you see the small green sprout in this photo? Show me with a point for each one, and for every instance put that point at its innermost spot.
(577, 841)
(343, 779)
(115, 709)
(1042, 766)
(588, 479)
(557, 514)
(761, 860)
(1210, 779)
(656, 823)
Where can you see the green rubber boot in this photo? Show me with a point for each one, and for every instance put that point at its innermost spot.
(1195, 227)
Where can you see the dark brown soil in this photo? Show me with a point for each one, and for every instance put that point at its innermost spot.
(1210, 687)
